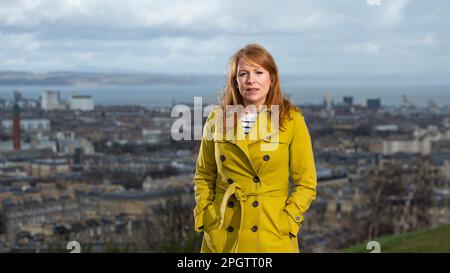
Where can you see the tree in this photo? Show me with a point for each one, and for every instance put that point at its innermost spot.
(169, 225)
(2, 222)
(399, 197)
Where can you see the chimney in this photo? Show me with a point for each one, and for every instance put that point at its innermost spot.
(16, 127)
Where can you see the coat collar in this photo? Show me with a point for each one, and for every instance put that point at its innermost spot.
(234, 133)
(262, 130)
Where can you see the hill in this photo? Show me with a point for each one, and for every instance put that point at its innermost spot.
(421, 241)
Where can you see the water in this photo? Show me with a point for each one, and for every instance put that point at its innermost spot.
(163, 95)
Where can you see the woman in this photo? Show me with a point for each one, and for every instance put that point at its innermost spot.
(244, 203)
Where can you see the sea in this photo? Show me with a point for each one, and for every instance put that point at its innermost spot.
(167, 94)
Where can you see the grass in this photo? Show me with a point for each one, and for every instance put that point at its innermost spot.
(432, 240)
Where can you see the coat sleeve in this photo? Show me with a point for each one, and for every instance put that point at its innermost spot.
(303, 174)
(205, 175)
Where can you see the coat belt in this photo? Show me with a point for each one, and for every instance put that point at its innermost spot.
(276, 190)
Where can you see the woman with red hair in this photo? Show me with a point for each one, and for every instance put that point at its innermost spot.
(252, 146)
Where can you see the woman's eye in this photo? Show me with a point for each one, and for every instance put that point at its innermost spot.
(259, 72)
(242, 74)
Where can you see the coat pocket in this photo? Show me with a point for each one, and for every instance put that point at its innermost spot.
(210, 219)
(276, 149)
(293, 226)
(211, 233)
(272, 145)
(285, 222)
(211, 241)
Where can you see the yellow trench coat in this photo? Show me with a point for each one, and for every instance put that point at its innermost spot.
(243, 200)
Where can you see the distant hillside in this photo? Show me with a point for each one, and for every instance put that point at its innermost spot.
(81, 78)
(92, 78)
(422, 241)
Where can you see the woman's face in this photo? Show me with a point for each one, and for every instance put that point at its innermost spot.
(253, 82)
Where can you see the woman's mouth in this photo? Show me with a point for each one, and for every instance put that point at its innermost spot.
(252, 89)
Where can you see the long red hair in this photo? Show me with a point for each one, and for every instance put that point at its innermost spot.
(254, 53)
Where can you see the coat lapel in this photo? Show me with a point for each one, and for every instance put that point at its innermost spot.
(240, 141)
(235, 135)
(262, 129)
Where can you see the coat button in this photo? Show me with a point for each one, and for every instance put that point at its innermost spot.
(266, 157)
(256, 179)
(255, 204)
(297, 218)
(230, 181)
(230, 229)
(222, 158)
(230, 204)
(254, 228)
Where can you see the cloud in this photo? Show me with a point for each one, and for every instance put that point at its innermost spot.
(199, 36)
(393, 11)
(143, 18)
(197, 15)
(18, 42)
(309, 21)
(429, 40)
(21, 61)
(368, 48)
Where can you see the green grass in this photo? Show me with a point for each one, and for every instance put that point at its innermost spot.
(421, 241)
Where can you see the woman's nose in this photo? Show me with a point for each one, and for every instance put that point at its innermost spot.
(251, 78)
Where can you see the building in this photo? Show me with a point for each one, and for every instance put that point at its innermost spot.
(387, 128)
(82, 103)
(153, 135)
(13, 171)
(28, 125)
(420, 146)
(50, 101)
(46, 167)
(433, 107)
(37, 212)
(442, 163)
(70, 146)
(406, 102)
(18, 99)
(348, 100)
(328, 101)
(373, 104)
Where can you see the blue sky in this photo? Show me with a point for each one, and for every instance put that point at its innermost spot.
(315, 37)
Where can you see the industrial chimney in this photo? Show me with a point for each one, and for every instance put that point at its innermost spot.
(16, 127)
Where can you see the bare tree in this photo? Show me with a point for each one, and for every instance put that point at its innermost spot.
(399, 198)
(170, 225)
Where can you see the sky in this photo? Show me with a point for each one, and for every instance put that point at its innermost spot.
(311, 37)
